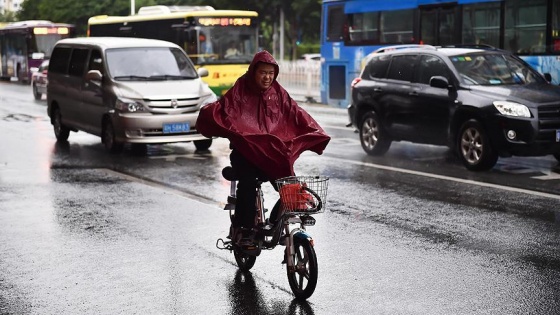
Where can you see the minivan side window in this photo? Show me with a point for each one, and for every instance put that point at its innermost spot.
(377, 67)
(402, 68)
(78, 62)
(428, 67)
(96, 62)
(59, 60)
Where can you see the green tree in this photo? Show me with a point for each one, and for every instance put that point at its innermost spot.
(8, 16)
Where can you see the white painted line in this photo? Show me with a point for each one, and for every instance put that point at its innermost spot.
(448, 178)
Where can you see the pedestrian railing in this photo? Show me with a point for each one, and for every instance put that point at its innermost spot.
(301, 79)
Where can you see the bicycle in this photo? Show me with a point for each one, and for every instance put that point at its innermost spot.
(300, 197)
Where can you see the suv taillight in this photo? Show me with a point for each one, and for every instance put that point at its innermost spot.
(354, 82)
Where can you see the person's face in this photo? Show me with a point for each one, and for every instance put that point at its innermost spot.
(264, 75)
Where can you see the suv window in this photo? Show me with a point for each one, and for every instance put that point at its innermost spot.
(430, 66)
(78, 62)
(377, 67)
(59, 60)
(402, 68)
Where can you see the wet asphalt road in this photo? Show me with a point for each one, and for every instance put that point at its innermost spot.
(85, 232)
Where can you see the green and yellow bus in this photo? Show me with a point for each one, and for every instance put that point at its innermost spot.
(222, 41)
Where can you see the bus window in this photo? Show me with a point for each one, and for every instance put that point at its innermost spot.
(525, 26)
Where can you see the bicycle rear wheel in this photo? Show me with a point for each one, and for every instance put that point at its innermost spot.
(244, 261)
(303, 275)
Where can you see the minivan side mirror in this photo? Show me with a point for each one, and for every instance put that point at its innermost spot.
(439, 82)
(95, 76)
(548, 77)
(202, 72)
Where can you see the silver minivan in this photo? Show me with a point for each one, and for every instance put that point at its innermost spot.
(126, 90)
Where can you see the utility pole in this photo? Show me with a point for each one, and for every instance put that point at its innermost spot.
(281, 34)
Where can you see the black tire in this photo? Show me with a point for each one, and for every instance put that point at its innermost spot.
(474, 147)
(303, 276)
(61, 132)
(557, 156)
(373, 137)
(108, 138)
(244, 261)
(36, 93)
(203, 145)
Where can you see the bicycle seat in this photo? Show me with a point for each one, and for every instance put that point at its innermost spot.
(229, 173)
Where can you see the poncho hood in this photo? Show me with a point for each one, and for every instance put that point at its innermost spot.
(267, 127)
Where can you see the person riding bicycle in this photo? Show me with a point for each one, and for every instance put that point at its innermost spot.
(267, 131)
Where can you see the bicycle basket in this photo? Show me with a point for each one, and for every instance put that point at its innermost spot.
(303, 194)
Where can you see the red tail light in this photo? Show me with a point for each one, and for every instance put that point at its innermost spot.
(354, 82)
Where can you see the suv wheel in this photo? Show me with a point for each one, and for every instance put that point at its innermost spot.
(475, 150)
(373, 137)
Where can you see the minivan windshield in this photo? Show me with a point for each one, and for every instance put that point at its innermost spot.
(149, 64)
(493, 69)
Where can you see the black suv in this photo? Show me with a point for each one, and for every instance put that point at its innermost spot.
(481, 101)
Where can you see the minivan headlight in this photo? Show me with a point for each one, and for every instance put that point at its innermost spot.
(507, 108)
(209, 99)
(128, 105)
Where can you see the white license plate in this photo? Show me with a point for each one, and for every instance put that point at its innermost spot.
(176, 127)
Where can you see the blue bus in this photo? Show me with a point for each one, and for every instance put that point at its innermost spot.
(352, 29)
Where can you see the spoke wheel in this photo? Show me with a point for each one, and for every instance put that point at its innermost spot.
(373, 137)
(303, 275)
(474, 147)
(61, 132)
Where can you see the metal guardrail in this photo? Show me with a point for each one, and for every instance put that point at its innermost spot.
(302, 79)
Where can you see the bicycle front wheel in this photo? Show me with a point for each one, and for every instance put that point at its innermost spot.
(303, 275)
(244, 261)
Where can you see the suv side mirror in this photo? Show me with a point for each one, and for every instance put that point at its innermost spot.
(439, 82)
(548, 77)
(95, 76)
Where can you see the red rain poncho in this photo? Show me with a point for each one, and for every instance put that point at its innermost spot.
(267, 127)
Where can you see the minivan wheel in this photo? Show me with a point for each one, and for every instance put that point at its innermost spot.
(202, 145)
(474, 147)
(373, 137)
(61, 132)
(111, 144)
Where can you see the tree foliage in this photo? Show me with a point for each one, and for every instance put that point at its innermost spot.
(302, 17)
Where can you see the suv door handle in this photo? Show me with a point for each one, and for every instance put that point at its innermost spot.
(413, 93)
(377, 89)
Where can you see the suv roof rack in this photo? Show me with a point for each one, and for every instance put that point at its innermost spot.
(475, 46)
(397, 47)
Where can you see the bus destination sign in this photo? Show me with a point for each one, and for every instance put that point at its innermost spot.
(224, 21)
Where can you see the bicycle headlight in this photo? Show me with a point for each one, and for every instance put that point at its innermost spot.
(507, 108)
(128, 105)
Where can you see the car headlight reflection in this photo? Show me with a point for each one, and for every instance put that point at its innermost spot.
(127, 105)
(507, 108)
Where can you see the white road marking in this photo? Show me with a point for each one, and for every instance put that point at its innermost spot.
(448, 178)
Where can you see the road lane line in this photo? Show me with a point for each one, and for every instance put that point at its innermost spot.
(448, 178)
